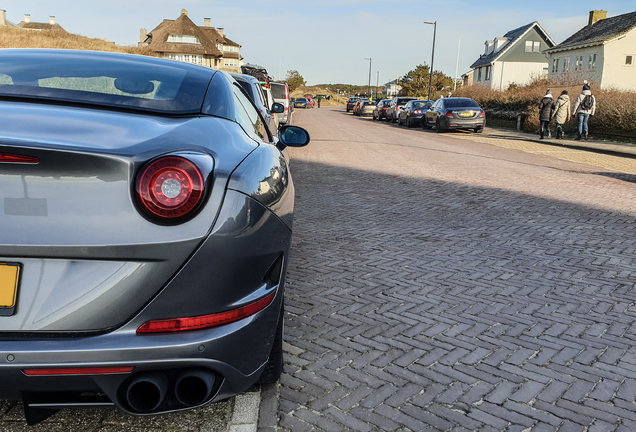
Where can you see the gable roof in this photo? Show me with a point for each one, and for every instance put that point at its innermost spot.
(598, 33)
(183, 26)
(513, 36)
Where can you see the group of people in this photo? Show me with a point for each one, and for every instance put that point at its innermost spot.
(560, 110)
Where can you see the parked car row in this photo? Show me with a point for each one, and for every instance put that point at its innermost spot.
(442, 115)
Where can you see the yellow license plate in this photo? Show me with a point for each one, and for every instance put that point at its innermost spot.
(466, 114)
(9, 276)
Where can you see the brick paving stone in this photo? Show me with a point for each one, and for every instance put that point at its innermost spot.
(627, 390)
(476, 392)
(553, 391)
(454, 392)
(601, 426)
(578, 390)
(604, 390)
(434, 275)
(527, 391)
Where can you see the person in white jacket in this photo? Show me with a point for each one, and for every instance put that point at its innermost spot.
(584, 107)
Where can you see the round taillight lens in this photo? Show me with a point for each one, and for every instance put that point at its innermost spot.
(170, 188)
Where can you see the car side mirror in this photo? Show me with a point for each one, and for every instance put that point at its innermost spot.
(293, 136)
(278, 108)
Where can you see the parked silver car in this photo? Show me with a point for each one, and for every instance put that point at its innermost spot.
(147, 215)
(393, 112)
(255, 91)
(280, 91)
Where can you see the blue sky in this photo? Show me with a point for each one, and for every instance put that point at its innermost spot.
(327, 41)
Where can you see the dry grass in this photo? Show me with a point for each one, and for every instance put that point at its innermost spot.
(615, 110)
(302, 91)
(11, 37)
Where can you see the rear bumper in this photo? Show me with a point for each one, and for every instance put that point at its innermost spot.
(238, 264)
(170, 354)
(448, 123)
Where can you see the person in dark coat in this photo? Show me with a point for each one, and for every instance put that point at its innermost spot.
(546, 110)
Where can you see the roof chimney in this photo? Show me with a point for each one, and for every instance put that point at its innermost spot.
(52, 19)
(3, 17)
(220, 30)
(597, 15)
(184, 12)
(143, 34)
(27, 18)
(206, 22)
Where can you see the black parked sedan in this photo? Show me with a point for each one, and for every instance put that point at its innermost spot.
(351, 103)
(145, 231)
(412, 113)
(455, 113)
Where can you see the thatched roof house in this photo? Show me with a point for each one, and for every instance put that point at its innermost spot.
(183, 40)
(27, 24)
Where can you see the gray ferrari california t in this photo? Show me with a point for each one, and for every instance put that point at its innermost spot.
(145, 224)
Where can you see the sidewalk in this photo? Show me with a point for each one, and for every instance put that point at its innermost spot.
(615, 156)
(605, 147)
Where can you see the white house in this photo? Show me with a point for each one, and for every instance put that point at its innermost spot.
(604, 52)
(392, 88)
(514, 58)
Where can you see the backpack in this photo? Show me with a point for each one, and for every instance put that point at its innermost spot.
(587, 103)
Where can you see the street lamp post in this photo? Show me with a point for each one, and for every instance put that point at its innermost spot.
(430, 82)
(377, 83)
(369, 91)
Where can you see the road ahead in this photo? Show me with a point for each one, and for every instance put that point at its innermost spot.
(440, 283)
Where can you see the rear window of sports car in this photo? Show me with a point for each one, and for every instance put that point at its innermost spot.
(106, 80)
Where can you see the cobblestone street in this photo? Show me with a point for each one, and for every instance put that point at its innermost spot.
(438, 283)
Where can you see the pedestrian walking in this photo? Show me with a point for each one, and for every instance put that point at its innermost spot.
(562, 113)
(319, 99)
(584, 107)
(546, 110)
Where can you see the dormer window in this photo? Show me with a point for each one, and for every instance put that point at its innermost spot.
(183, 39)
(219, 46)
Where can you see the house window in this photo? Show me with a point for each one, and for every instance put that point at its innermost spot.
(566, 64)
(185, 58)
(183, 39)
(479, 74)
(219, 46)
(629, 60)
(231, 62)
(591, 62)
(536, 47)
(528, 46)
(555, 65)
(579, 63)
(487, 73)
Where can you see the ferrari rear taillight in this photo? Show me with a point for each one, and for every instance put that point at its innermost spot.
(417, 112)
(78, 371)
(170, 188)
(384, 108)
(205, 321)
(13, 158)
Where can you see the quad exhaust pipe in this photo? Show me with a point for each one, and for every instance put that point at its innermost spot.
(146, 391)
(193, 386)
